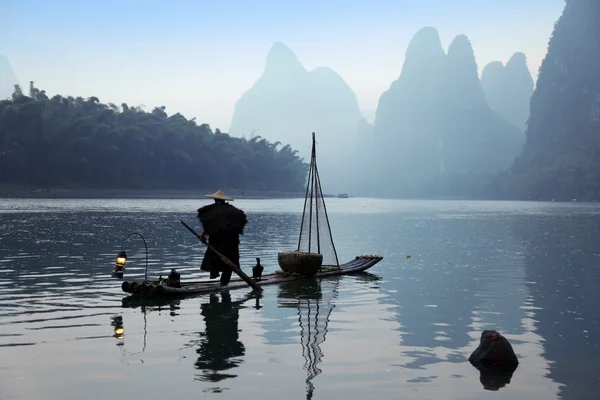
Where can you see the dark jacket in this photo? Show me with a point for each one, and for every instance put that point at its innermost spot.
(223, 223)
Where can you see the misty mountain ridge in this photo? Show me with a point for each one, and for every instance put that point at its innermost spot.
(434, 120)
(287, 103)
(461, 82)
(8, 79)
(508, 89)
(434, 123)
(439, 130)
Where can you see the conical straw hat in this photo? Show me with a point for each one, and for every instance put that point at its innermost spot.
(219, 195)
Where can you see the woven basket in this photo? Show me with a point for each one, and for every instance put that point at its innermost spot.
(300, 262)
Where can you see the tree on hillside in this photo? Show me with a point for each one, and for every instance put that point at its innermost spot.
(561, 156)
(71, 141)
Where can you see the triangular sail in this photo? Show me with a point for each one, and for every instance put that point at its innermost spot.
(315, 231)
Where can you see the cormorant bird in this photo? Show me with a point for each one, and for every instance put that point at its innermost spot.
(257, 270)
(173, 279)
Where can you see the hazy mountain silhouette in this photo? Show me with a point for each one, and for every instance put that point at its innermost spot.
(508, 89)
(288, 102)
(560, 157)
(8, 78)
(405, 120)
(474, 138)
(369, 115)
(434, 120)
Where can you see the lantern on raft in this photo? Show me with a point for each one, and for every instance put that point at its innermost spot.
(120, 262)
(119, 267)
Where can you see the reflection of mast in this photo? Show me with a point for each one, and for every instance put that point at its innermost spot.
(314, 310)
(311, 334)
(311, 349)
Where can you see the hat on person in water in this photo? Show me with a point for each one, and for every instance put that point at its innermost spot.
(219, 195)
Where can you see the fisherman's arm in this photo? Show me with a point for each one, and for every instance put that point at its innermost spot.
(203, 237)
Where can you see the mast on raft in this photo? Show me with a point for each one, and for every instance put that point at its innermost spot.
(314, 184)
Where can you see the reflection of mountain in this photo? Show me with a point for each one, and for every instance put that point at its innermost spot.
(500, 279)
(314, 309)
(562, 274)
(219, 345)
(452, 278)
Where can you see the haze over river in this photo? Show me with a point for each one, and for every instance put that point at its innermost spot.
(403, 330)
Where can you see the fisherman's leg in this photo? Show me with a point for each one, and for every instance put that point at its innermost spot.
(205, 266)
(234, 256)
(214, 271)
(209, 263)
(226, 276)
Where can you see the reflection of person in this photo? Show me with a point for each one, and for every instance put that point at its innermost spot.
(221, 340)
(223, 223)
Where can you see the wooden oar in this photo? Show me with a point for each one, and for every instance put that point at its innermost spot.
(234, 267)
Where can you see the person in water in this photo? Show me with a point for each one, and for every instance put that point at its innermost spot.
(223, 224)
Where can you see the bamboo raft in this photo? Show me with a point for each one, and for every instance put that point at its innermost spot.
(161, 289)
(304, 262)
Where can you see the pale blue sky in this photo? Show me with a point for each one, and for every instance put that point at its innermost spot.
(198, 57)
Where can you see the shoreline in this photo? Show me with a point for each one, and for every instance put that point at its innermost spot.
(89, 193)
(23, 192)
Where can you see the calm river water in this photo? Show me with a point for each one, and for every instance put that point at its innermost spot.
(403, 330)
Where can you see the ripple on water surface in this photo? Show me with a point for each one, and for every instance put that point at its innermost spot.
(405, 329)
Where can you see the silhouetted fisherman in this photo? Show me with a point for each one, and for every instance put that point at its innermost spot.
(223, 223)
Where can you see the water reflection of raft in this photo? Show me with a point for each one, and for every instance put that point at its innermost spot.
(159, 289)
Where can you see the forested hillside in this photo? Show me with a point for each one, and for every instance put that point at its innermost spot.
(76, 142)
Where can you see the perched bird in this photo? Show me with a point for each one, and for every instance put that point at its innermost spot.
(257, 270)
(173, 279)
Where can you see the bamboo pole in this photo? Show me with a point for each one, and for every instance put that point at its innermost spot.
(310, 171)
(327, 218)
(312, 184)
(234, 267)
